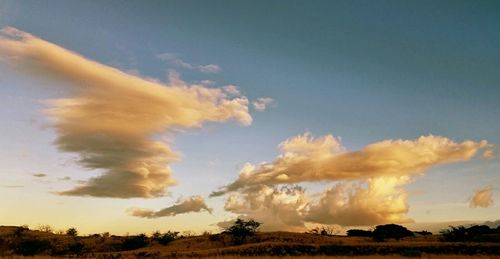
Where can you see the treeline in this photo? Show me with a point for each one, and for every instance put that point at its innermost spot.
(476, 233)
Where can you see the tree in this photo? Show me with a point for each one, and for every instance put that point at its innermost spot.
(388, 231)
(242, 229)
(72, 232)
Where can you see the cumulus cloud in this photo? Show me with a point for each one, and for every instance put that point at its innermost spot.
(306, 159)
(347, 204)
(192, 204)
(39, 175)
(369, 183)
(279, 208)
(176, 61)
(482, 198)
(111, 119)
(262, 103)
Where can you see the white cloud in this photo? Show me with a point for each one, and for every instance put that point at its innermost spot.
(262, 103)
(176, 61)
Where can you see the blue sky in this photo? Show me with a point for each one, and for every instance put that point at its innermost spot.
(363, 70)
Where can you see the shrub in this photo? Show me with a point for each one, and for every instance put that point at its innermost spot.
(242, 229)
(462, 234)
(324, 231)
(45, 228)
(389, 231)
(72, 232)
(359, 233)
(135, 242)
(76, 248)
(165, 238)
(30, 247)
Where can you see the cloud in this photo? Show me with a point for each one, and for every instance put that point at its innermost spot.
(66, 178)
(278, 208)
(381, 201)
(262, 103)
(232, 90)
(176, 61)
(482, 198)
(210, 69)
(368, 183)
(192, 204)
(111, 119)
(306, 159)
(39, 175)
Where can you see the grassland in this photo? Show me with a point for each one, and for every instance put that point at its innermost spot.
(14, 243)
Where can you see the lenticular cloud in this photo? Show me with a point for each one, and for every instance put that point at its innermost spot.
(111, 117)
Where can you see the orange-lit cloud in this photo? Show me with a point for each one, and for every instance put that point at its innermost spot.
(482, 198)
(305, 159)
(369, 183)
(111, 118)
(382, 201)
(192, 204)
(278, 208)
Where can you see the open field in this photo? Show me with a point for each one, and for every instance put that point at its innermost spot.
(14, 243)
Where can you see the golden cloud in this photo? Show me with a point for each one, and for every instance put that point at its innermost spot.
(306, 159)
(482, 198)
(369, 182)
(111, 118)
(191, 204)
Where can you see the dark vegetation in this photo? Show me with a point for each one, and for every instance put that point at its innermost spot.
(475, 233)
(243, 238)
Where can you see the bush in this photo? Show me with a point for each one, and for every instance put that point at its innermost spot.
(76, 248)
(165, 238)
(324, 231)
(242, 229)
(359, 233)
(391, 231)
(135, 242)
(72, 232)
(30, 247)
(462, 234)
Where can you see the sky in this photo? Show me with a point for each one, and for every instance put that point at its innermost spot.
(130, 117)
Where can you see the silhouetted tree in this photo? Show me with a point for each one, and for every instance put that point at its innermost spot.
(462, 234)
(72, 232)
(242, 229)
(324, 231)
(391, 231)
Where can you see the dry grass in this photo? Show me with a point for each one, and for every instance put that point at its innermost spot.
(262, 245)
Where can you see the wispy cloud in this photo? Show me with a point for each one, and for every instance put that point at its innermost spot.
(482, 198)
(110, 119)
(176, 61)
(369, 182)
(191, 204)
(262, 103)
(39, 175)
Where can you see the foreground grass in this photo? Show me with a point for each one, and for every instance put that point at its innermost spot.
(314, 257)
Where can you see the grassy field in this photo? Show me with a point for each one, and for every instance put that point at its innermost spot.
(14, 243)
